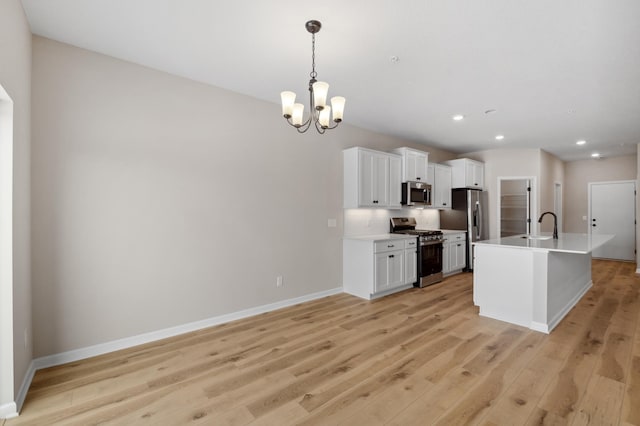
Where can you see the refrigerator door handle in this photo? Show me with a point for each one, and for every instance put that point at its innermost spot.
(478, 220)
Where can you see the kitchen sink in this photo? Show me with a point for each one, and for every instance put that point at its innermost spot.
(536, 237)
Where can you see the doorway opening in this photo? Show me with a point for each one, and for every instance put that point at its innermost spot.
(515, 206)
(7, 404)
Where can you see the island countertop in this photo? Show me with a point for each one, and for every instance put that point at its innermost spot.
(566, 243)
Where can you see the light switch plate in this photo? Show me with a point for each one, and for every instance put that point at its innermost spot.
(332, 223)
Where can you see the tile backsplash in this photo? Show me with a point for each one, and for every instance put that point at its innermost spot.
(359, 222)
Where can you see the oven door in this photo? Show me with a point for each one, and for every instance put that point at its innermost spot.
(430, 262)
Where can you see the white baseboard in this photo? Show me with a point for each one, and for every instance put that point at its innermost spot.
(638, 271)
(26, 383)
(8, 411)
(560, 315)
(103, 348)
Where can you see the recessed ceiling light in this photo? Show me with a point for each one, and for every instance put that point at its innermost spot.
(458, 117)
(595, 155)
(581, 142)
(394, 59)
(499, 137)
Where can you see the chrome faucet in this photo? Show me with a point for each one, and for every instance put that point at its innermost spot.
(555, 223)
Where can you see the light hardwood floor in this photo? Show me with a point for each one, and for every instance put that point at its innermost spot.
(420, 357)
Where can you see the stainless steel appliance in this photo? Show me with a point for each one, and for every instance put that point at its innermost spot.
(429, 249)
(468, 213)
(417, 194)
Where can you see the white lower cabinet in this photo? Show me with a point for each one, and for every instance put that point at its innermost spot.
(454, 253)
(376, 266)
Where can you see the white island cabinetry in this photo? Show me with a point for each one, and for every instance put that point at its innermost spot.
(533, 281)
(375, 266)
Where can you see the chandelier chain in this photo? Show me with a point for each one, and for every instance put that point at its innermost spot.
(313, 73)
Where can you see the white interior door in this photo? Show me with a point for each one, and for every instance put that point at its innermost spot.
(612, 210)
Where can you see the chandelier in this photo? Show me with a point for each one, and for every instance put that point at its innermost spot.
(320, 112)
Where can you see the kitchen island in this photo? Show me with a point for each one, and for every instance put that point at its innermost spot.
(533, 281)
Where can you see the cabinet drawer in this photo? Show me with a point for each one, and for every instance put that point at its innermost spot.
(411, 243)
(388, 245)
(457, 237)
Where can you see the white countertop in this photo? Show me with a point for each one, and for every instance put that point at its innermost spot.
(567, 243)
(382, 237)
(453, 231)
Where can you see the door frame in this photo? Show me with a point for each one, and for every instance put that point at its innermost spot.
(533, 199)
(7, 397)
(558, 205)
(635, 215)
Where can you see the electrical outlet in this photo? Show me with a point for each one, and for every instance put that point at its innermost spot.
(279, 281)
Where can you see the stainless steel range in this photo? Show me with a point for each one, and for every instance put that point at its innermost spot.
(429, 249)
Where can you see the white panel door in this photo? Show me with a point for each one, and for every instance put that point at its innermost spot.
(613, 211)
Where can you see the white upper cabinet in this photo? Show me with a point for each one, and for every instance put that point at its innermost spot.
(414, 164)
(371, 178)
(442, 186)
(466, 173)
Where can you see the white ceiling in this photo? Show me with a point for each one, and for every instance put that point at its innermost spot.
(554, 71)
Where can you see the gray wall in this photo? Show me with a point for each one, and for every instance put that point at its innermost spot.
(15, 77)
(160, 201)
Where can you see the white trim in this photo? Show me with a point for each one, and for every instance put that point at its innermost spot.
(8, 411)
(127, 342)
(539, 326)
(26, 383)
(638, 271)
(533, 199)
(573, 302)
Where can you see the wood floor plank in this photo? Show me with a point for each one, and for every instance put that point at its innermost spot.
(419, 357)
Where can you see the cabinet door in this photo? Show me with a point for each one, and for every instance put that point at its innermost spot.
(396, 268)
(366, 178)
(443, 186)
(445, 258)
(459, 248)
(395, 182)
(479, 175)
(410, 266)
(474, 174)
(421, 161)
(382, 272)
(431, 175)
(389, 270)
(381, 180)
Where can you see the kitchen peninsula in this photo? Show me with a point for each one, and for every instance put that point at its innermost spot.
(533, 281)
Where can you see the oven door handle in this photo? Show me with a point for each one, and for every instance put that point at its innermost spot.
(431, 243)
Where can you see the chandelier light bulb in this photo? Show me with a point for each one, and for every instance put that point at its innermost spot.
(325, 115)
(296, 117)
(320, 90)
(337, 104)
(288, 98)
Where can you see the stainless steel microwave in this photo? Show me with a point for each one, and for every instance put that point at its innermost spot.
(417, 194)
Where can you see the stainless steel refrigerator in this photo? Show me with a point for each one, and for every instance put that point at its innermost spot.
(468, 213)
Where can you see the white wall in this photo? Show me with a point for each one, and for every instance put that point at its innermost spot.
(160, 201)
(578, 174)
(15, 77)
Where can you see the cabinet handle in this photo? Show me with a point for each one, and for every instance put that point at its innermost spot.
(390, 246)
(391, 255)
(417, 178)
(459, 245)
(444, 204)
